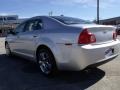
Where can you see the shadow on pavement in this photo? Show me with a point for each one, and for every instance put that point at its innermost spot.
(20, 74)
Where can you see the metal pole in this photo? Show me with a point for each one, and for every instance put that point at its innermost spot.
(50, 13)
(97, 11)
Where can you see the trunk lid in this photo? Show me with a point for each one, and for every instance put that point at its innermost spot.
(103, 33)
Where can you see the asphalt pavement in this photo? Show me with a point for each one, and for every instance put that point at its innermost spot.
(21, 74)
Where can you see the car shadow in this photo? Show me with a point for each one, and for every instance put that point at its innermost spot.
(19, 73)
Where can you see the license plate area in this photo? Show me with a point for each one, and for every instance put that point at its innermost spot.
(109, 52)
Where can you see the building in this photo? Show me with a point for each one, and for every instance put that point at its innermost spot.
(9, 22)
(111, 21)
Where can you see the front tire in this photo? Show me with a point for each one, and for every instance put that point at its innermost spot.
(46, 62)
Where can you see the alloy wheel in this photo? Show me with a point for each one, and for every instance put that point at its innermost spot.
(44, 62)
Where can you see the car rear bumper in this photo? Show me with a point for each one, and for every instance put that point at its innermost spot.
(79, 57)
(101, 62)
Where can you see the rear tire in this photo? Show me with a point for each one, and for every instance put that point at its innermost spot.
(46, 62)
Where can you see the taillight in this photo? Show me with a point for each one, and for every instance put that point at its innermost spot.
(86, 37)
(114, 35)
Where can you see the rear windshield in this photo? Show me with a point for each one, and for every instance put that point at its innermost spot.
(70, 20)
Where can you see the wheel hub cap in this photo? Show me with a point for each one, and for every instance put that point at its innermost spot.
(44, 63)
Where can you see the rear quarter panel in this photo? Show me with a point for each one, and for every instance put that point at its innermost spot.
(56, 39)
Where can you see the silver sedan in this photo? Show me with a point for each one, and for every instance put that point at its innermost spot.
(64, 43)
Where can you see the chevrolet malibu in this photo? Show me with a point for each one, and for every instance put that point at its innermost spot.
(63, 43)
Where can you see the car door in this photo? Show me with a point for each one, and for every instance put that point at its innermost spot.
(27, 39)
(13, 38)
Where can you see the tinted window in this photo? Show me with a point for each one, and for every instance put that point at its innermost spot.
(70, 20)
(20, 28)
(37, 25)
(33, 25)
(29, 26)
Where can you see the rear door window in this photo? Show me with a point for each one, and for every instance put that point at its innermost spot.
(33, 25)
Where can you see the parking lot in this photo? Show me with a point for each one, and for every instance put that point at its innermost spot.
(20, 74)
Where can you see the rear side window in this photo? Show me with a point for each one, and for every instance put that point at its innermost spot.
(33, 25)
(28, 26)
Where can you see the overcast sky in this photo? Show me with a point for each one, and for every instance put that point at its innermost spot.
(85, 9)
